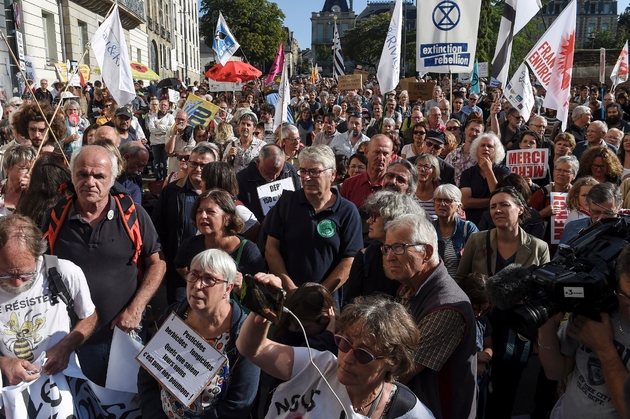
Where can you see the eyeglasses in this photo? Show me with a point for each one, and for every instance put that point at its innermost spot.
(313, 173)
(424, 167)
(445, 201)
(183, 157)
(398, 249)
(194, 165)
(206, 281)
(361, 355)
(598, 166)
(24, 276)
(453, 128)
(472, 98)
(433, 145)
(180, 119)
(419, 133)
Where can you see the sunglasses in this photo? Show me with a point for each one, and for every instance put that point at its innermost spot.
(184, 157)
(453, 128)
(419, 133)
(435, 146)
(361, 355)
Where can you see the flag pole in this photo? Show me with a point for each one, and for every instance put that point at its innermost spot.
(283, 113)
(450, 81)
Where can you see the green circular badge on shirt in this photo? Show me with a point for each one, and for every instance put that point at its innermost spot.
(326, 228)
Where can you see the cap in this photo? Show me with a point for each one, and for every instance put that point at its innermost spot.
(123, 111)
(438, 136)
(368, 90)
(463, 90)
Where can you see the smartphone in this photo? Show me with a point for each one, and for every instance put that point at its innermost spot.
(267, 301)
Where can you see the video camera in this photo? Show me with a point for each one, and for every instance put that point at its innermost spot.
(581, 279)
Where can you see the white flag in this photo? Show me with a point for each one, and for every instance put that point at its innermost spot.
(551, 61)
(519, 92)
(111, 53)
(284, 93)
(516, 14)
(620, 72)
(224, 44)
(389, 66)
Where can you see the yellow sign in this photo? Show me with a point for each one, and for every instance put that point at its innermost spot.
(351, 82)
(200, 111)
(62, 71)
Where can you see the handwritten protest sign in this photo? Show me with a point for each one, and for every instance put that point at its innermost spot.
(350, 82)
(531, 163)
(199, 110)
(181, 360)
(559, 220)
(420, 91)
(269, 193)
(173, 96)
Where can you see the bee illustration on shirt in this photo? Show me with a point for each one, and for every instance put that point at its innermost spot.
(26, 338)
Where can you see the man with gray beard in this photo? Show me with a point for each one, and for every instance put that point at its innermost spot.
(29, 322)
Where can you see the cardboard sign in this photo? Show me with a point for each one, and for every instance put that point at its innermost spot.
(482, 69)
(404, 83)
(420, 91)
(350, 82)
(365, 74)
(181, 360)
(531, 163)
(199, 110)
(269, 193)
(559, 220)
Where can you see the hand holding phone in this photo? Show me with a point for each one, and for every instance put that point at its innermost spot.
(264, 300)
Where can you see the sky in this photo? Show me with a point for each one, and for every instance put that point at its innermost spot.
(298, 15)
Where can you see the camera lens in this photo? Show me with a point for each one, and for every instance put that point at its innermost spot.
(527, 318)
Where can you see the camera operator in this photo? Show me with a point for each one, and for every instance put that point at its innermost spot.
(591, 352)
(604, 201)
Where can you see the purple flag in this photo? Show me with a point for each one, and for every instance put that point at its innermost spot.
(278, 64)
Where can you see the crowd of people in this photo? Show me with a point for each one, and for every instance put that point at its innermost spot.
(391, 216)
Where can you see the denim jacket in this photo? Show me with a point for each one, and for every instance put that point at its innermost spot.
(458, 237)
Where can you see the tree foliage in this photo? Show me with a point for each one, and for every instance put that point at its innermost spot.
(256, 25)
(364, 43)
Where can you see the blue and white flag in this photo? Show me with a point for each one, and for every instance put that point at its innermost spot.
(389, 67)
(112, 55)
(224, 44)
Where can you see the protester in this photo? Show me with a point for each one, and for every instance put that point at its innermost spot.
(209, 311)
(242, 150)
(415, 148)
(577, 207)
(357, 165)
(602, 164)
(17, 163)
(381, 336)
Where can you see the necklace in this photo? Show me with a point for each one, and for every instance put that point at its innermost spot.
(623, 332)
(375, 399)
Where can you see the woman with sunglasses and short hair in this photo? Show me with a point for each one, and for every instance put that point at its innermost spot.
(376, 340)
(415, 148)
(183, 156)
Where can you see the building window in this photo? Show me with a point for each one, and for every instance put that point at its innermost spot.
(606, 8)
(593, 8)
(83, 39)
(557, 9)
(50, 43)
(320, 33)
(591, 28)
(604, 26)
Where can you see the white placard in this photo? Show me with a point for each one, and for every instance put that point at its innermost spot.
(559, 220)
(482, 69)
(29, 69)
(531, 163)
(269, 193)
(173, 96)
(122, 369)
(20, 45)
(181, 360)
(446, 38)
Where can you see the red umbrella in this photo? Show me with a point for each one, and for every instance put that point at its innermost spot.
(233, 71)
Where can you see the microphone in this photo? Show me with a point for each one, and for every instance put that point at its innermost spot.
(509, 286)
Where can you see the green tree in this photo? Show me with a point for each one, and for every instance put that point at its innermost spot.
(364, 43)
(256, 25)
(606, 38)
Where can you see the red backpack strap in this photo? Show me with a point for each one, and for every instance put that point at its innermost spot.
(127, 209)
(57, 217)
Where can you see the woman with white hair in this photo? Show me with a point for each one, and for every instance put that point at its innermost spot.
(452, 231)
(75, 125)
(209, 311)
(478, 181)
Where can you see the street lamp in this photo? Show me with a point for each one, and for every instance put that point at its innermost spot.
(591, 37)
